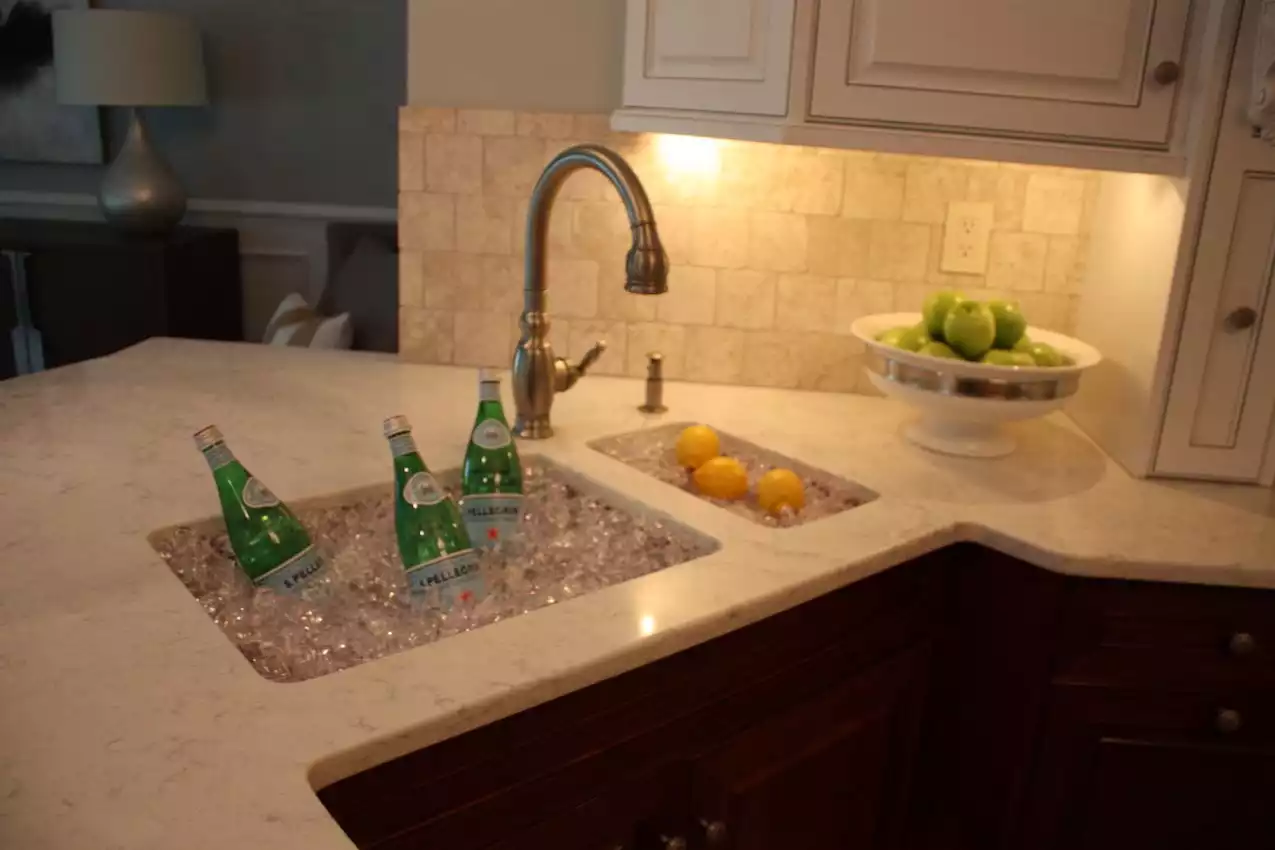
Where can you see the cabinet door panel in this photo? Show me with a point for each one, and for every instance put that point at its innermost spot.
(718, 55)
(1124, 769)
(828, 773)
(1221, 406)
(1020, 67)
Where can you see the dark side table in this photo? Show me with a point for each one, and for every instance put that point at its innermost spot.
(70, 290)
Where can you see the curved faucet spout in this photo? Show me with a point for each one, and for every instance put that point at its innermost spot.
(537, 373)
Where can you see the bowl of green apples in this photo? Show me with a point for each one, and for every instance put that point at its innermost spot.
(969, 367)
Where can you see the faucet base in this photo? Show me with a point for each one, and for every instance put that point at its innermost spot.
(537, 428)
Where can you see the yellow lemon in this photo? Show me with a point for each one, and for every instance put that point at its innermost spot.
(779, 488)
(696, 446)
(722, 478)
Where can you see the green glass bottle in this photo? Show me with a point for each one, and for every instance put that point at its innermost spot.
(491, 481)
(432, 541)
(270, 543)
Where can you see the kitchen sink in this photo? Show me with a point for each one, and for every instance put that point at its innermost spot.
(578, 537)
(652, 450)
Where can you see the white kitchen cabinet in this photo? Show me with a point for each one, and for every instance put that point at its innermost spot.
(1220, 416)
(1099, 70)
(1108, 84)
(714, 55)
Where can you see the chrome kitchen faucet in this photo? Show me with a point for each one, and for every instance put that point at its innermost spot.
(537, 373)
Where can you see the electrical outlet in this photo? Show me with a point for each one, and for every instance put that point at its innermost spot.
(969, 227)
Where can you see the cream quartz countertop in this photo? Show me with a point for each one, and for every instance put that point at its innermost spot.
(127, 720)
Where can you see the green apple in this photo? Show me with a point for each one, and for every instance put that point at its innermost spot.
(936, 308)
(892, 336)
(970, 328)
(1045, 354)
(915, 338)
(1011, 324)
(1001, 357)
(939, 349)
(1024, 344)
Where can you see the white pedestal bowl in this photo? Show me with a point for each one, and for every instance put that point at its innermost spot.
(963, 406)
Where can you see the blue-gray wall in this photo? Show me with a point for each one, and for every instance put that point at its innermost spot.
(304, 105)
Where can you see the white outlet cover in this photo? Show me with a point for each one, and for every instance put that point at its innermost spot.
(965, 238)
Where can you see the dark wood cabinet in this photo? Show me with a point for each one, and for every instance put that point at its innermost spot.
(964, 701)
(1122, 768)
(829, 771)
(804, 724)
(92, 291)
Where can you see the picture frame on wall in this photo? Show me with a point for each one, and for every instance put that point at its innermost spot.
(34, 127)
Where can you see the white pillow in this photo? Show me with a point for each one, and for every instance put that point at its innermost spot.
(296, 323)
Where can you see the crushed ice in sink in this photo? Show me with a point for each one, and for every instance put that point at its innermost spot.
(575, 542)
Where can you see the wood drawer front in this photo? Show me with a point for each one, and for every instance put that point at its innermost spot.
(1170, 634)
(1121, 769)
(581, 741)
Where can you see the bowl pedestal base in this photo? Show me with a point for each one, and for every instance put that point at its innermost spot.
(960, 437)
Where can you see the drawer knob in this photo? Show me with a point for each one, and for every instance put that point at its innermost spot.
(1167, 73)
(1228, 721)
(714, 833)
(1239, 319)
(1242, 645)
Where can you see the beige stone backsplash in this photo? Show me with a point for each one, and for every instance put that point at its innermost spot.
(775, 250)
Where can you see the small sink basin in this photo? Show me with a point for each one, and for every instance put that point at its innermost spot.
(578, 537)
(653, 451)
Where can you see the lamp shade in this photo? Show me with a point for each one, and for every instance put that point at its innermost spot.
(108, 57)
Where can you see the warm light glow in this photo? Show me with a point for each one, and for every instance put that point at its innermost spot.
(646, 625)
(690, 155)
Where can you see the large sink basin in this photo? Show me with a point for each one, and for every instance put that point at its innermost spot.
(578, 537)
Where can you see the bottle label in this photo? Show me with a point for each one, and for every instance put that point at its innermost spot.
(457, 577)
(491, 434)
(402, 444)
(491, 518)
(421, 490)
(258, 495)
(218, 456)
(294, 572)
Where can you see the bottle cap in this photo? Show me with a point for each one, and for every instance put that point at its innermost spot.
(396, 425)
(206, 438)
(488, 376)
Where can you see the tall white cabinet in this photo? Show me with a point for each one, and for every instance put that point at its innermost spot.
(1220, 417)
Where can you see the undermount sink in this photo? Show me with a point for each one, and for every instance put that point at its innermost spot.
(578, 537)
(652, 451)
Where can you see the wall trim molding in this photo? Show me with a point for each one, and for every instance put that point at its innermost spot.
(254, 209)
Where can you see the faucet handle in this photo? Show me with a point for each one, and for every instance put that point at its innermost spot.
(566, 373)
(591, 356)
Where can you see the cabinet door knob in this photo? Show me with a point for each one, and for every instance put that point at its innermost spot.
(1167, 73)
(1228, 721)
(1242, 644)
(715, 834)
(1240, 319)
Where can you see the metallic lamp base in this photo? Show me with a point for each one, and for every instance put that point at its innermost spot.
(140, 193)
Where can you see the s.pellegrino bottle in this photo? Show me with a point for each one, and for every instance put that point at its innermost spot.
(270, 543)
(491, 483)
(432, 540)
